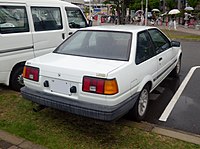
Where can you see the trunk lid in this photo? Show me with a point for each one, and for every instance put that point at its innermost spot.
(73, 68)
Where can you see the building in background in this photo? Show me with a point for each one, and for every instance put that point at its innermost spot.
(79, 3)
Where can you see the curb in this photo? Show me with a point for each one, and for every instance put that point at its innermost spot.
(177, 134)
(172, 133)
(187, 137)
(8, 141)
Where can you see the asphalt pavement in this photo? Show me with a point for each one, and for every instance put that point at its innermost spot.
(185, 114)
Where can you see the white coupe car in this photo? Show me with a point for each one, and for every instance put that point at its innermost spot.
(103, 72)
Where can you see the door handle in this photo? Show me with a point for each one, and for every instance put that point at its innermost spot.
(70, 33)
(63, 35)
(160, 59)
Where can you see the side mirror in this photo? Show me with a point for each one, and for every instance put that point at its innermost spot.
(175, 44)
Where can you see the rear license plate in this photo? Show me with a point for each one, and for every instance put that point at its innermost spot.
(60, 86)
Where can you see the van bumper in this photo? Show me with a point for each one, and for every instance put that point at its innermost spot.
(96, 111)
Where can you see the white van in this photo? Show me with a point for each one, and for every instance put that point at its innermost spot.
(30, 28)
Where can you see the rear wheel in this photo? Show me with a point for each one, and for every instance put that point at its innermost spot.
(16, 81)
(139, 110)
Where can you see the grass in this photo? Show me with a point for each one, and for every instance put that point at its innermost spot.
(181, 35)
(59, 130)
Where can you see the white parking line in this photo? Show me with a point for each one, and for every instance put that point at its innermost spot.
(176, 96)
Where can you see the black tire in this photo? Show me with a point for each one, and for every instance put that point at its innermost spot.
(15, 82)
(136, 113)
(176, 71)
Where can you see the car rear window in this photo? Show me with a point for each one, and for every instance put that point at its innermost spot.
(98, 44)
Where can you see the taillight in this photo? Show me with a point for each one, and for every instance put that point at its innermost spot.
(100, 86)
(31, 73)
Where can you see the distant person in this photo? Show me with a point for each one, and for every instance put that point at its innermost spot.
(172, 23)
(186, 19)
(116, 20)
(142, 19)
(90, 19)
(138, 18)
(109, 19)
(159, 21)
(154, 17)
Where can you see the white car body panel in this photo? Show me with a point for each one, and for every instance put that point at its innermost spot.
(73, 68)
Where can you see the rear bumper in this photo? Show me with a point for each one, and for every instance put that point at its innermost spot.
(96, 111)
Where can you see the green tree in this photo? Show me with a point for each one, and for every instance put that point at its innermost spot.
(171, 4)
(106, 2)
(154, 4)
(193, 3)
(136, 4)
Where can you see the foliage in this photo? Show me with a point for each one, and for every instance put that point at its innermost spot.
(136, 4)
(106, 2)
(171, 4)
(154, 4)
(193, 3)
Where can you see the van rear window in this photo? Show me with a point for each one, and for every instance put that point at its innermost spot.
(13, 19)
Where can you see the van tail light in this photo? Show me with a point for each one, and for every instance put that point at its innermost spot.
(31, 73)
(100, 86)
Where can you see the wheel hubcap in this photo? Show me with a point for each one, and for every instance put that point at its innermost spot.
(143, 100)
(20, 80)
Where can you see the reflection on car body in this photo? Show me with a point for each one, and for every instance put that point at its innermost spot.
(103, 72)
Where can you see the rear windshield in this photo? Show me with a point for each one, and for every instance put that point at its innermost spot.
(98, 44)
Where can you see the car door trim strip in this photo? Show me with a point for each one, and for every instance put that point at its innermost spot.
(16, 49)
(156, 78)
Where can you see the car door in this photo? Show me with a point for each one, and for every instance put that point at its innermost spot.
(75, 19)
(146, 62)
(164, 54)
(49, 30)
(16, 43)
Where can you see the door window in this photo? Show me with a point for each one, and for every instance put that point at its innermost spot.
(46, 18)
(145, 48)
(160, 41)
(76, 18)
(13, 19)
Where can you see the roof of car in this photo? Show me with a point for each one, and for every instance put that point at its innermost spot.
(38, 2)
(126, 28)
(28, 1)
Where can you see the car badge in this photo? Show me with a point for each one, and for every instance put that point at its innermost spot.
(100, 75)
